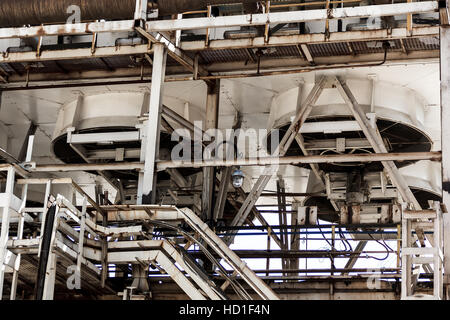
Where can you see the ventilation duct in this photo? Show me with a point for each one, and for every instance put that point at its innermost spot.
(36, 12)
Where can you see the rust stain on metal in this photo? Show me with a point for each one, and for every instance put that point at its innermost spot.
(40, 31)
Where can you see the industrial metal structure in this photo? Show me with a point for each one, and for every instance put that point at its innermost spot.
(224, 149)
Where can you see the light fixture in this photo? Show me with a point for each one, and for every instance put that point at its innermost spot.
(238, 178)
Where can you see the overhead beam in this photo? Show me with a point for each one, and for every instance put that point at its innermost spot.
(70, 54)
(226, 44)
(221, 22)
(164, 165)
(238, 69)
(293, 16)
(68, 29)
(311, 38)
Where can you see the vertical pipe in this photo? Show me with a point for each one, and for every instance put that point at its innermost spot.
(333, 242)
(269, 230)
(399, 243)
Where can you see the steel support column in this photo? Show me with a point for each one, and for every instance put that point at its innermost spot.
(222, 194)
(147, 183)
(20, 228)
(445, 118)
(225, 180)
(282, 218)
(294, 239)
(209, 174)
(6, 215)
(27, 142)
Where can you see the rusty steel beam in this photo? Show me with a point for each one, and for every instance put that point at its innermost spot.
(70, 54)
(312, 38)
(293, 16)
(68, 29)
(227, 70)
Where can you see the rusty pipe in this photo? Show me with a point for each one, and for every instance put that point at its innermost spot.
(36, 12)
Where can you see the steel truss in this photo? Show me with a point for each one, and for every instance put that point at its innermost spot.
(164, 253)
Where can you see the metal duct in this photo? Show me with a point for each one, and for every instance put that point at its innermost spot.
(36, 12)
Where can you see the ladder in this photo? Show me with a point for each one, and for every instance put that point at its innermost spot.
(415, 258)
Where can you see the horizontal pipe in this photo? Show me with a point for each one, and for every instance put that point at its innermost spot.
(360, 270)
(36, 12)
(296, 160)
(303, 227)
(164, 165)
(279, 254)
(87, 167)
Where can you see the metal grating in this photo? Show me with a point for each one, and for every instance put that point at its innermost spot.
(367, 47)
(225, 56)
(87, 64)
(424, 43)
(211, 56)
(329, 49)
(282, 52)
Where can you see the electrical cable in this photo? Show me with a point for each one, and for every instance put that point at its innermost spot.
(387, 250)
(341, 233)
